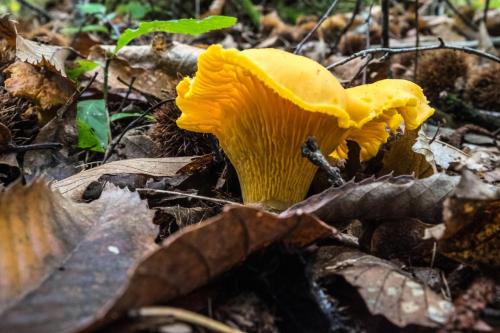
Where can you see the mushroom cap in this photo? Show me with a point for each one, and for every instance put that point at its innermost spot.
(386, 103)
(295, 78)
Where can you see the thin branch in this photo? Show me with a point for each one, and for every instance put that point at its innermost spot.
(460, 15)
(131, 125)
(346, 28)
(185, 316)
(320, 22)
(129, 90)
(485, 11)
(417, 40)
(76, 95)
(189, 195)
(391, 51)
(36, 9)
(12, 148)
(310, 149)
(368, 41)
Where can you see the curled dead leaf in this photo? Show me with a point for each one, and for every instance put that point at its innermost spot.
(74, 186)
(385, 289)
(472, 220)
(387, 197)
(49, 56)
(46, 88)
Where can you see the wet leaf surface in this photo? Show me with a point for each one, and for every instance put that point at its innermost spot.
(199, 253)
(68, 257)
(384, 287)
(385, 197)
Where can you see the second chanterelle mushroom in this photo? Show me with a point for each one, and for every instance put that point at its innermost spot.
(262, 104)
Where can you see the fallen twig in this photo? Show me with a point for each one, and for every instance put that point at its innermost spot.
(310, 149)
(131, 125)
(321, 20)
(188, 195)
(185, 316)
(391, 51)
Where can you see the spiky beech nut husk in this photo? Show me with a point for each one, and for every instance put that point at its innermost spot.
(170, 140)
(439, 71)
(352, 42)
(483, 87)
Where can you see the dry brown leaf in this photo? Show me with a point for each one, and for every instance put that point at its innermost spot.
(199, 253)
(8, 30)
(156, 70)
(54, 251)
(52, 57)
(73, 186)
(384, 198)
(403, 159)
(48, 89)
(472, 219)
(385, 289)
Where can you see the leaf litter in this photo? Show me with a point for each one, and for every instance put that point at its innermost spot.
(380, 273)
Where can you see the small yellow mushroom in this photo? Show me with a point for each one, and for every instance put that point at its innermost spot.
(262, 104)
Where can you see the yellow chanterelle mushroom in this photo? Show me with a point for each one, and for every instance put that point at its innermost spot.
(262, 104)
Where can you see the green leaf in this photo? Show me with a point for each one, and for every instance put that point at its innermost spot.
(136, 9)
(86, 28)
(182, 26)
(91, 8)
(82, 66)
(92, 124)
(121, 115)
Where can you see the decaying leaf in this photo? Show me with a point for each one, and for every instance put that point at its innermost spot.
(73, 186)
(65, 255)
(385, 197)
(46, 88)
(50, 56)
(472, 220)
(8, 30)
(385, 289)
(156, 70)
(403, 158)
(199, 253)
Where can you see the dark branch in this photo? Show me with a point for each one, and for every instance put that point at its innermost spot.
(310, 33)
(310, 149)
(390, 51)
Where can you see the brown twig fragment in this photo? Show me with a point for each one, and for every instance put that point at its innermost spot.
(185, 316)
(310, 149)
(310, 33)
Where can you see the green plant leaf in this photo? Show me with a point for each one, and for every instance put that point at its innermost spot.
(81, 66)
(86, 28)
(135, 9)
(121, 115)
(92, 124)
(182, 26)
(91, 8)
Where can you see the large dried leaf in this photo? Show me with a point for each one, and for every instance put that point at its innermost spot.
(156, 69)
(386, 197)
(385, 289)
(74, 186)
(472, 220)
(46, 88)
(199, 253)
(60, 261)
(50, 56)
(403, 158)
